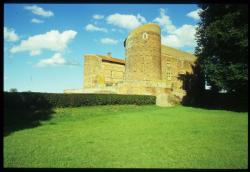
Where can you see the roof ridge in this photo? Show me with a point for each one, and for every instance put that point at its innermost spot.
(112, 59)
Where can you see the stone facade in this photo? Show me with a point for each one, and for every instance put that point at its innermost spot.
(149, 68)
(143, 54)
(102, 71)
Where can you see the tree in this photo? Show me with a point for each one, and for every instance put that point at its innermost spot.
(222, 46)
(13, 90)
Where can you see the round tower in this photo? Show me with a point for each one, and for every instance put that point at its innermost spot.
(143, 53)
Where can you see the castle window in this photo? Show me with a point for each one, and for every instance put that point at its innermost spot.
(169, 75)
(145, 36)
(168, 63)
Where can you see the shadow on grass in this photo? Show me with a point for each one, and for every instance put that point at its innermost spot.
(20, 119)
(227, 102)
(23, 112)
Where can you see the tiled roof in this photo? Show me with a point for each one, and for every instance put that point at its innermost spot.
(111, 59)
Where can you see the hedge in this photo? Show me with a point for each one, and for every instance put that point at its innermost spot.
(47, 100)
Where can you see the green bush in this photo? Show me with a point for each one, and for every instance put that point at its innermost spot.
(31, 100)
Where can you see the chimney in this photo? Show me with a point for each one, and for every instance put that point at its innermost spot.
(109, 55)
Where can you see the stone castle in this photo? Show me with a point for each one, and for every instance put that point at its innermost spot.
(149, 68)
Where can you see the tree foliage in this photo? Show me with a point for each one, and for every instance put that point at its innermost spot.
(222, 46)
(13, 90)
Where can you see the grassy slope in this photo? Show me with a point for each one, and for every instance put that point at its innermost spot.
(132, 136)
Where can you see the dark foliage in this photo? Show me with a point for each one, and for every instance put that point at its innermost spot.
(222, 51)
(197, 96)
(28, 100)
(222, 38)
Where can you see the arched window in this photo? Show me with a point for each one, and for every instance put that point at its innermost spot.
(145, 36)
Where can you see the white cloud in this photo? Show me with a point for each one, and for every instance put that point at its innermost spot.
(52, 40)
(183, 36)
(164, 21)
(186, 34)
(109, 41)
(35, 52)
(117, 30)
(37, 21)
(141, 19)
(10, 35)
(171, 40)
(195, 14)
(39, 11)
(56, 59)
(126, 21)
(92, 28)
(98, 17)
(172, 36)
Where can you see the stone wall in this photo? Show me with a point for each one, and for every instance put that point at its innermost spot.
(99, 73)
(92, 71)
(143, 53)
(174, 64)
(113, 73)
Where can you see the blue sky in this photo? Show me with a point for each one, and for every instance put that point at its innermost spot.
(44, 44)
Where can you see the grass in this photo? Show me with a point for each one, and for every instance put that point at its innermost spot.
(132, 137)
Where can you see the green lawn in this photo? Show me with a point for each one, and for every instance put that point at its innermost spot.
(132, 137)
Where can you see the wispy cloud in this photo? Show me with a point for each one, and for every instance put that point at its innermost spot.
(91, 28)
(39, 11)
(98, 16)
(37, 21)
(126, 21)
(195, 14)
(10, 35)
(109, 41)
(52, 40)
(164, 21)
(55, 60)
(35, 52)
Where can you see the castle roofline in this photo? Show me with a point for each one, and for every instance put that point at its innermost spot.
(106, 58)
(89, 55)
(191, 56)
(111, 59)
